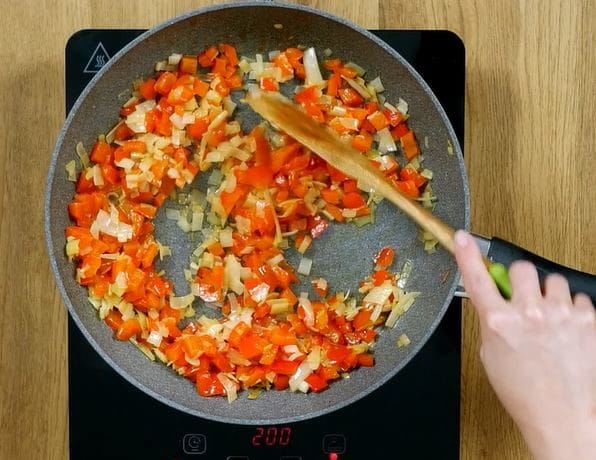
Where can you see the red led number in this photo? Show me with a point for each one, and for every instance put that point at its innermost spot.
(272, 436)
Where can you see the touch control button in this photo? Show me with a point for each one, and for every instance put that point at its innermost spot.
(194, 444)
(334, 443)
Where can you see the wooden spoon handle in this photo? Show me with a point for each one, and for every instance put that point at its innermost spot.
(282, 113)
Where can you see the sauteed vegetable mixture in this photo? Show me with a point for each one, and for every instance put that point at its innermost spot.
(268, 194)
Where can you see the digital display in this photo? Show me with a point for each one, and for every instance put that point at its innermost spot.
(272, 436)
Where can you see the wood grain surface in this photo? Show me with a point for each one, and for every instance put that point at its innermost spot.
(530, 151)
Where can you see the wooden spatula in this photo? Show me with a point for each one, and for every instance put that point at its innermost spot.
(283, 114)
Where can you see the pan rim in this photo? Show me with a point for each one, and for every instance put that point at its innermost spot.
(52, 170)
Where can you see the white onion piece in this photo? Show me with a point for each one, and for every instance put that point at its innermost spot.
(309, 315)
(172, 214)
(291, 349)
(154, 338)
(125, 163)
(311, 68)
(305, 266)
(349, 123)
(305, 244)
(110, 225)
(378, 295)
(236, 358)
(314, 358)
(377, 85)
(229, 105)
(234, 306)
(229, 386)
(386, 142)
(358, 87)
(275, 260)
(338, 111)
(225, 238)
(174, 58)
(178, 303)
(233, 274)
(196, 222)
(402, 106)
(303, 371)
(376, 312)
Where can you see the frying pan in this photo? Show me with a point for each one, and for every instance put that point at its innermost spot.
(342, 255)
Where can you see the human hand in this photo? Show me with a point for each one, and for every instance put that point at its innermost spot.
(539, 353)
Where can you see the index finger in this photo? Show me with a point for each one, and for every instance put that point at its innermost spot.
(478, 283)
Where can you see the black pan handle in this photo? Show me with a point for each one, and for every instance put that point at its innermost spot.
(505, 252)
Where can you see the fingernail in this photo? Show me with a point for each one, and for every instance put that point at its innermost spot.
(462, 238)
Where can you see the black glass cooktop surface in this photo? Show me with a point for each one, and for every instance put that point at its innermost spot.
(414, 416)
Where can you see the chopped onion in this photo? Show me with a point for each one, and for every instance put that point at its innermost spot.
(154, 338)
(402, 106)
(164, 251)
(377, 85)
(174, 59)
(243, 225)
(172, 214)
(349, 213)
(449, 147)
(359, 70)
(177, 121)
(136, 120)
(232, 274)
(110, 225)
(178, 303)
(311, 68)
(183, 223)
(386, 142)
(229, 105)
(305, 266)
(303, 371)
(358, 87)
(148, 353)
(378, 295)
(279, 306)
(125, 163)
(309, 314)
(97, 176)
(289, 349)
(217, 120)
(71, 171)
(236, 358)
(376, 312)
(304, 245)
(338, 111)
(403, 341)
(427, 173)
(349, 123)
(404, 274)
(234, 306)
(275, 260)
(229, 386)
(82, 154)
(196, 222)
(314, 358)
(225, 238)
(403, 305)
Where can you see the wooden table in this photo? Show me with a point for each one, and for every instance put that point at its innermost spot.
(530, 147)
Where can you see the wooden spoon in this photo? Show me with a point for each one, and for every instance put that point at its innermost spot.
(282, 113)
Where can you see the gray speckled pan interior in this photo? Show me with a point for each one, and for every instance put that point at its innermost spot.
(342, 255)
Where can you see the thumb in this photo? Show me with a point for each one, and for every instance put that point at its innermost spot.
(478, 283)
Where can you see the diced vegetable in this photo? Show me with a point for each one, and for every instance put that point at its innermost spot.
(265, 193)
